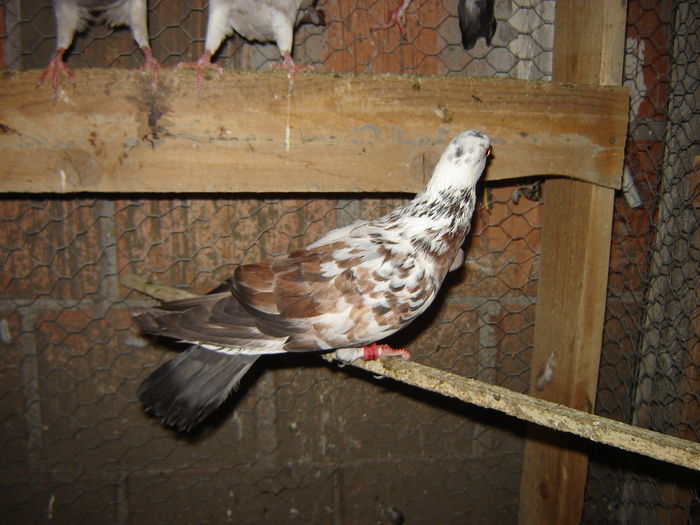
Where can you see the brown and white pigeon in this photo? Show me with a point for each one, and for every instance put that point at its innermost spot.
(476, 19)
(257, 20)
(354, 286)
(73, 16)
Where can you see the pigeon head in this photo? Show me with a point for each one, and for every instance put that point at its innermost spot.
(462, 162)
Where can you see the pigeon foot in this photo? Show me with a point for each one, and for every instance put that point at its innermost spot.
(291, 67)
(54, 69)
(152, 65)
(201, 65)
(374, 351)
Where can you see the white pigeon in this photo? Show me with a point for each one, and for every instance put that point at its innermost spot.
(476, 19)
(257, 20)
(74, 15)
(354, 286)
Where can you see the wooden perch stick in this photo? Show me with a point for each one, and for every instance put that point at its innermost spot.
(551, 415)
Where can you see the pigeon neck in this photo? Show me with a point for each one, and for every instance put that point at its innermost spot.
(433, 217)
(437, 222)
(452, 177)
(451, 206)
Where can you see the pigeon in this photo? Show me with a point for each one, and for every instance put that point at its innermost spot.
(258, 20)
(352, 287)
(476, 19)
(74, 15)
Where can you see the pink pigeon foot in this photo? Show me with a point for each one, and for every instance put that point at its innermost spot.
(395, 18)
(153, 66)
(201, 65)
(291, 67)
(374, 351)
(54, 69)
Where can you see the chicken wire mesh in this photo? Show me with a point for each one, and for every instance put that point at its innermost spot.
(301, 441)
(650, 365)
(521, 47)
(303, 436)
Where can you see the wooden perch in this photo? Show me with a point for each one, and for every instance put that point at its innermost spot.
(552, 415)
(334, 133)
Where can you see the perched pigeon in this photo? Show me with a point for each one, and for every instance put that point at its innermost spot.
(476, 19)
(74, 15)
(259, 20)
(355, 285)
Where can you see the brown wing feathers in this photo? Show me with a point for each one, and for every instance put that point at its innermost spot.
(216, 319)
(289, 287)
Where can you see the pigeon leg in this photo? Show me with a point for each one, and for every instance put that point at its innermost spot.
(370, 352)
(55, 67)
(153, 65)
(374, 351)
(201, 65)
(395, 18)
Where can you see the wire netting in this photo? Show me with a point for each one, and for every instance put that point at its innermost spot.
(299, 436)
(301, 440)
(650, 366)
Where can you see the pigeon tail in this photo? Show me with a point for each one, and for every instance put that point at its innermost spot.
(311, 15)
(188, 388)
(476, 19)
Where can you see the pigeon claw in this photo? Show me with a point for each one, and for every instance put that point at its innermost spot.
(374, 351)
(202, 65)
(54, 69)
(291, 67)
(152, 65)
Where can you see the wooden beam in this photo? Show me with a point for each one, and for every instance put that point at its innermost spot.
(576, 235)
(244, 133)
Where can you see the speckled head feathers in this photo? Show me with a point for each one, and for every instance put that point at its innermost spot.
(462, 162)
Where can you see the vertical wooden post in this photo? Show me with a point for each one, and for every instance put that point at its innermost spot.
(588, 49)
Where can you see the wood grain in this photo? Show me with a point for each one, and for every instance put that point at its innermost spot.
(576, 235)
(244, 133)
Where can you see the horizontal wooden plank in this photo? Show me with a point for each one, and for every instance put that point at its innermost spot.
(245, 133)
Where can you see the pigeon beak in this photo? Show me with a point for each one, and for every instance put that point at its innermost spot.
(488, 152)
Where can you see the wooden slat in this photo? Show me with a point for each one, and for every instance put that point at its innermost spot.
(589, 46)
(333, 134)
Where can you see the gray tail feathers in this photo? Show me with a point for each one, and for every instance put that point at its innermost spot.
(476, 19)
(185, 390)
(311, 15)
